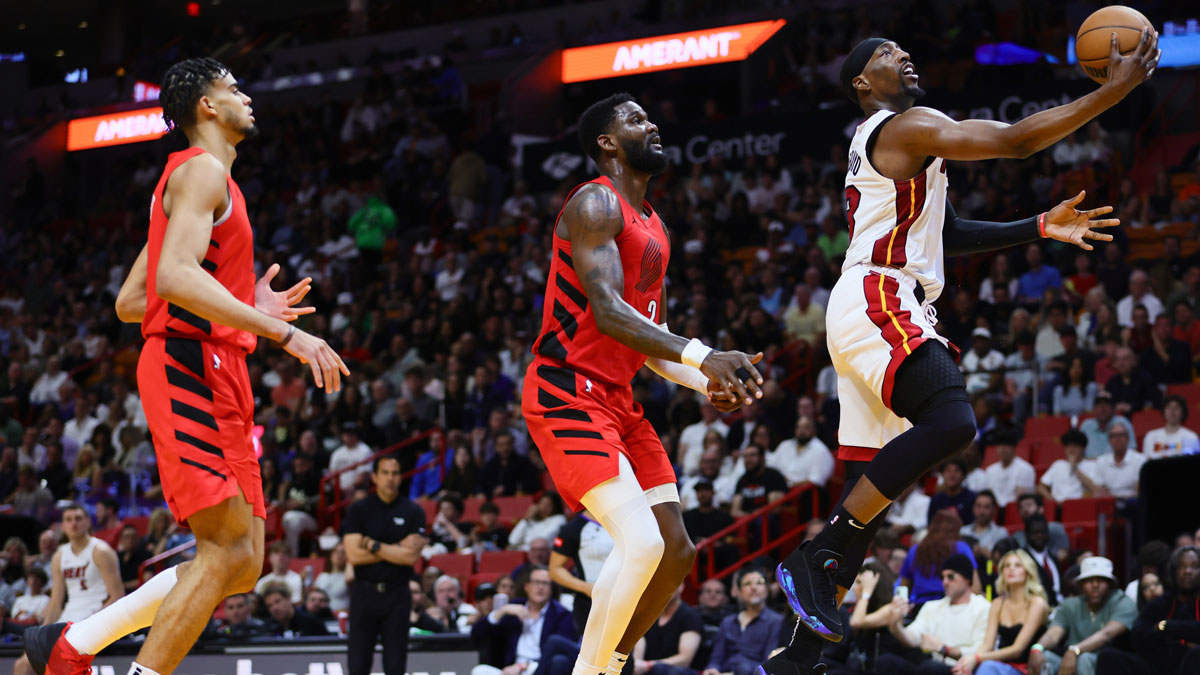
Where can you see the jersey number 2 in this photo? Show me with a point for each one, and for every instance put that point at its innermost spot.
(653, 309)
(852, 198)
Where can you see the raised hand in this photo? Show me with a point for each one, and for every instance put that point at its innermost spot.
(1066, 223)
(327, 366)
(1128, 71)
(733, 374)
(281, 304)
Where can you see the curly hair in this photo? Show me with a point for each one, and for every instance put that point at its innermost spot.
(183, 85)
(596, 120)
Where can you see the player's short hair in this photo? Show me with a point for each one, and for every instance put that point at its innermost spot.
(183, 85)
(596, 120)
(381, 459)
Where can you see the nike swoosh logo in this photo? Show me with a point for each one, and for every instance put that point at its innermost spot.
(854, 524)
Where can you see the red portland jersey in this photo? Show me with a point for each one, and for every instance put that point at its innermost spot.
(230, 259)
(569, 332)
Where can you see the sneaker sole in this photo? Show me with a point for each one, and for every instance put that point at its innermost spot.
(819, 669)
(814, 624)
(39, 642)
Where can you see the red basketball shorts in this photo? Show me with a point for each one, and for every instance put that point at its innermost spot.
(200, 411)
(579, 425)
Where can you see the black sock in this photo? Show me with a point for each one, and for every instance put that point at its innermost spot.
(841, 529)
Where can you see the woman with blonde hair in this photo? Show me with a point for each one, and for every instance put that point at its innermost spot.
(1018, 616)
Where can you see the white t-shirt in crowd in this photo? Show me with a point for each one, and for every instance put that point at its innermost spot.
(345, 456)
(691, 444)
(963, 626)
(1010, 482)
(812, 463)
(1063, 483)
(1120, 479)
(1161, 443)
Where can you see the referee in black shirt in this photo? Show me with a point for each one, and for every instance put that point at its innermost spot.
(384, 535)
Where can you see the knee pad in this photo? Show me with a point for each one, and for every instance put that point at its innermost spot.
(925, 373)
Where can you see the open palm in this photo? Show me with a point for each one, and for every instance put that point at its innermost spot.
(280, 304)
(1066, 223)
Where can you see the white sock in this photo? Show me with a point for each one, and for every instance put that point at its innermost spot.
(617, 663)
(131, 613)
(138, 669)
(582, 668)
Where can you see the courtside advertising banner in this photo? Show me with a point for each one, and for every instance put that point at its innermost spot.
(132, 126)
(667, 52)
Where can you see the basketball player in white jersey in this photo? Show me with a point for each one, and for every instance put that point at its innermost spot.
(85, 570)
(903, 400)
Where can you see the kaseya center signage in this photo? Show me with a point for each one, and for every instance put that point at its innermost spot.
(667, 52)
(118, 128)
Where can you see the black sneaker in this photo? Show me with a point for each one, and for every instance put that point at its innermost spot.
(801, 657)
(807, 581)
(39, 642)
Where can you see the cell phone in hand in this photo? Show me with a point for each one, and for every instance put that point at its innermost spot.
(902, 592)
(499, 600)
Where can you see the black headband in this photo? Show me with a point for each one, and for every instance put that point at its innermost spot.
(855, 61)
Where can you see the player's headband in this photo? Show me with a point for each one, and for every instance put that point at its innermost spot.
(855, 61)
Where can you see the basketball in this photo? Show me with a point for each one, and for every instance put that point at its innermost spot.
(1094, 36)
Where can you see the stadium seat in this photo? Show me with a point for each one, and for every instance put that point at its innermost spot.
(1045, 452)
(513, 509)
(471, 509)
(142, 523)
(1013, 528)
(1088, 509)
(1012, 513)
(1047, 427)
(1189, 391)
(1143, 421)
(430, 507)
(297, 565)
(459, 565)
(1083, 536)
(475, 580)
(500, 561)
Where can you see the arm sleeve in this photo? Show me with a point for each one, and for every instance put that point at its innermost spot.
(961, 236)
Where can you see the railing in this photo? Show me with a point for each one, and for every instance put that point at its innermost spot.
(742, 526)
(797, 357)
(330, 512)
(161, 558)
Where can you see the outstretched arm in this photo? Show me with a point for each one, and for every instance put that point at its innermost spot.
(924, 131)
(1063, 222)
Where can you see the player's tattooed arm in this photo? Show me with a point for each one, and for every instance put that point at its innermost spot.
(593, 219)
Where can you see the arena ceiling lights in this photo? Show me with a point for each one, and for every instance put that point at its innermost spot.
(134, 126)
(667, 52)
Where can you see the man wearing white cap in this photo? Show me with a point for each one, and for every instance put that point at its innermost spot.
(1089, 622)
(982, 364)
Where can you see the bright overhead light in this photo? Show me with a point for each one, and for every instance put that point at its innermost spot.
(59, 53)
(83, 24)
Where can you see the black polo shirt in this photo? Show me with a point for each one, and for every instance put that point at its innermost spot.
(388, 523)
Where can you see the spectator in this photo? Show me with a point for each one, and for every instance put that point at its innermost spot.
(316, 603)
(1151, 560)
(804, 458)
(671, 643)
(723, 484)
(1075, 476)
(280, 557)
(1117, 471)
(705, 521)
(1014, 621)
(30, 499)
(351, 451)
(454, 615)
(300, 497)
(1095, 428)
(239, 622)
(1038, 279)
(1172, 438)
(952, 494)
(130, 555)
(984, 529)
(447, 534)
(1011, 475)
(691, 440)
(524, 628)
(1167, 360)
(1033, 504)
(538, 555)
(910, 511)
(543, 521)
(982, 364)
(759, 486)
(1132, 388)
(1037, 541)
(29, 608)
(1075, 394)
(8, 472)
(746, 639)
(1089, 622)
(1048, 343)
(1165, 632)
(946, 629)
(1139, 294)
(1024, 370)
(922, 570)
(286, 620)
(714, 603)
(584, 544)
(508, 474)
(488, 534)
(1187, 326)
(874, 609)
(804, 319)
(46, 387)
(79, 428)
(336, 577)
(463, 476)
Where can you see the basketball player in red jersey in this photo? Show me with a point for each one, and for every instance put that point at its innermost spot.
(602, 320)
(193, 290)
(904, 403)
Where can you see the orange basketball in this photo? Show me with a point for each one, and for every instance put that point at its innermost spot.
(1094, 36)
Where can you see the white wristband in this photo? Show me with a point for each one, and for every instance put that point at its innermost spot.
(694, 353)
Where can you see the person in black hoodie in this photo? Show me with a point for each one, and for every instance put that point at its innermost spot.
(1167, 630)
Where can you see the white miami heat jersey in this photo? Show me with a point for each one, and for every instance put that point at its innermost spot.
(86, 591)
(895, 223)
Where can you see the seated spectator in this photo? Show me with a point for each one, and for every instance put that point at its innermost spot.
(28, 608)
(447, 534)
(982, 364)
(759, 486)
(286, 620)
(351, 451)
(1075, 394)
(803, 458)
(300, 497)
(1117, 471)
(1089, 622)
(57, 476)
(1037, 540)
(130, 554)
(280, 557)
(428, 481)
(420, 616)
(945, 630)
(713, 603)
(511, 626)
(952, 494)
(1015, 620)
(463, 476)
(335, 580)
(1073, 477)
(538, 555)
(910, 511)
(745, 639)
(1151, 559)
(455, 615)
(1031, 504)
(922, 570)
(874, 609)
(804, 319)
(1011, 475)
(1132, 388)
(30, 498)
(722, 483)
(584, 544)
(989, 568)
(1166, 631)
(542, 521)
(1139, 294)
(984, 529)
(670, 644)
(316, 603)
(1149, 587)
(508, 474)
(1039, 278)
(1167, 359)
(1172, 438)
(15, 557)
(239, 622)
(1095, 428)
(692, 439)
(488, 534)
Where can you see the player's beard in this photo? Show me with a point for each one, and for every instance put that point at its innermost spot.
(643, 159)
(913, 91)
